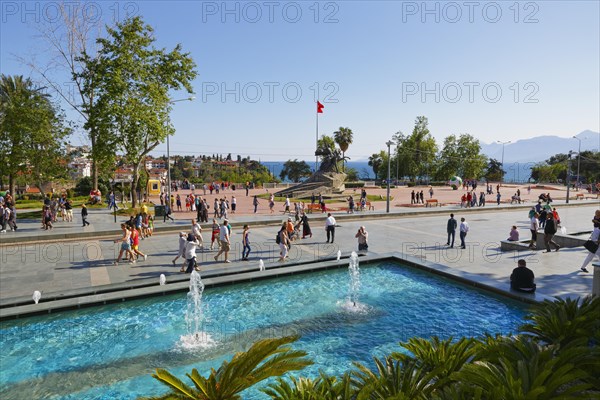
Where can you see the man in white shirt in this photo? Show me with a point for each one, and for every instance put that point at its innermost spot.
(225, 242)
(534, 225)
(330, 227)
(464, 229)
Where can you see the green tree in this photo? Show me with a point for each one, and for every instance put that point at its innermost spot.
(494, 170)
(343, 137)
(376, 161)
(351, 175)
(460, 156)
(295, 170)
(132, 80)
(264, 359)
(32, 133)
(417, 152)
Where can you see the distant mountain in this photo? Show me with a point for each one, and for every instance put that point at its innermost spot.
(541, 148)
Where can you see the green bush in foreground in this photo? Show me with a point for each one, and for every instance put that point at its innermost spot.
(556, 356)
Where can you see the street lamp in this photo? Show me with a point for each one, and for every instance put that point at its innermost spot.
(503, 143)
(387, 205)
(578, 160)
(168, 202)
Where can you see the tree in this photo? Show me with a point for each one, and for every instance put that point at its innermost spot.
(132, 80)
(417, 152)
(264, 359)
(494, 170)
(376, 161)
(343, 138)
(71, 36)
(295, 170)
(32, 132)
(460, 156)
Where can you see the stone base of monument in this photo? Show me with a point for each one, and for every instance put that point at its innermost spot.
(327, 184)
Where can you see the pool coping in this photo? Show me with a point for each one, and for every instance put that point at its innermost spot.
(252, 273)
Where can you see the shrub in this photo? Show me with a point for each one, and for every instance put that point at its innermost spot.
(351, 185)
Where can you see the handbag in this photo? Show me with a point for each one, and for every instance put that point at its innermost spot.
(591, 246)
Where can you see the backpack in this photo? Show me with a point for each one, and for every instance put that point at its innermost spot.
(278, 238)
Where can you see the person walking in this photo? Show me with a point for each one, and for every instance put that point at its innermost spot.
(255, 203)
(594, 239)
(534, 225)
(233, 204)
(84, 215)
(305, 226)
(224, 238)
(216, 229)
(246, 243)
(330, 227)
(167, 213)
(363, 239)
(549, 232)
(181, 252)
(197, 232)
(283, 242)
(135, 243)
(464, 229)
(190, 254)
(125, 245)
(451, 230)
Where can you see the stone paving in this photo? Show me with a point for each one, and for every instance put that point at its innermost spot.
(53, 266)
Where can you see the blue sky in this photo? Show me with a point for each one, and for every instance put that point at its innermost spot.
(497, 70)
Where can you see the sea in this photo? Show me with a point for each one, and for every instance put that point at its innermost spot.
(365, 172)
(514, 172)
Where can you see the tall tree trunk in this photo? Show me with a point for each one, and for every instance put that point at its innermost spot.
(134, 185)
(11, 186)
(94, 162)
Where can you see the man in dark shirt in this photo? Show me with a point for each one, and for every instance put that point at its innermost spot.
(549, 232)
(451, 229)
(522, 278)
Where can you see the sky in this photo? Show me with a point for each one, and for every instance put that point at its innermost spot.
(502, 70)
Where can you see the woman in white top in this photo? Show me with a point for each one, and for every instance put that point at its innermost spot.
(190, 253)
(590, 256)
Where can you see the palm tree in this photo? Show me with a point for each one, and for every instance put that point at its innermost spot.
(343, 138)
(324, 387)
(376, 161)
(264, 359)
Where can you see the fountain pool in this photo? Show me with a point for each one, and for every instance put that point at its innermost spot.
(109, 352)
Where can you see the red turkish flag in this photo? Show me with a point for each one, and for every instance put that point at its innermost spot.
(320, 107)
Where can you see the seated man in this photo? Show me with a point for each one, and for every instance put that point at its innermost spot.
(522, 278)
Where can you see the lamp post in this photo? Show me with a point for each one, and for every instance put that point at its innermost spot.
(578, 159)
(387, 205)
(569, 174)
(503, 143)
(168, 202)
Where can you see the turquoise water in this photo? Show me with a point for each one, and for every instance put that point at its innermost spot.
(109, 352)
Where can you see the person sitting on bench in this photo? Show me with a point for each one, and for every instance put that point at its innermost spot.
(522, 278)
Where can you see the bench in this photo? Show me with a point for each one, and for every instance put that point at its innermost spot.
(579, 196)
(312, 207)
(431, 203)
(368, 206)
(592, 196)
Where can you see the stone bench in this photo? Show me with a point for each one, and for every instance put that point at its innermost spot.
(509, 245)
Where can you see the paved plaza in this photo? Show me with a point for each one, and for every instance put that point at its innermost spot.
(55, 266)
